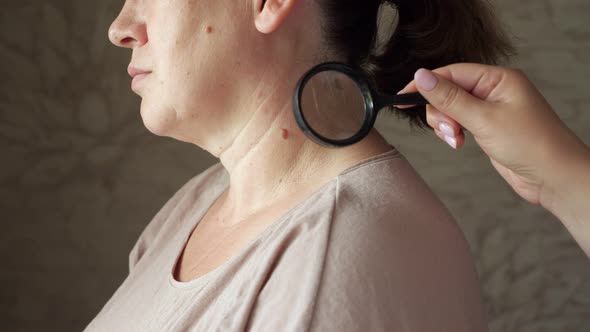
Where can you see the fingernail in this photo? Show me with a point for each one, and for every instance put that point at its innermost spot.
(446, 129)
(426, 79)
(451, 141)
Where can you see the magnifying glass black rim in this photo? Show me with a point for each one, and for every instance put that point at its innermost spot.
(365, 89)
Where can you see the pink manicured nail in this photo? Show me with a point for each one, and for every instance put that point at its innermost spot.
(451, 141)
(425, 79)
(446, 129)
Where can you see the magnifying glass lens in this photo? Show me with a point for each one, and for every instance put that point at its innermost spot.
(333, 105)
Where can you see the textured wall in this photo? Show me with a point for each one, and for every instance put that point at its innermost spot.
(80, 176)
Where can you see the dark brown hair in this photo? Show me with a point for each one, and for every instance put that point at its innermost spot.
(429, 34)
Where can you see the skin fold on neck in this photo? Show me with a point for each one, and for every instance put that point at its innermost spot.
(271, 161)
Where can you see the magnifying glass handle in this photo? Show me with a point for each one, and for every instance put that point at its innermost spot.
(403, 99)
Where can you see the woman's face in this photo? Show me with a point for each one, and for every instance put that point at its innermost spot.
(201, 57)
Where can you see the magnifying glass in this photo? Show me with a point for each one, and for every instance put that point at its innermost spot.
(336, 106)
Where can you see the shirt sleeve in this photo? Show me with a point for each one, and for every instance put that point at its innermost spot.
(406, 270)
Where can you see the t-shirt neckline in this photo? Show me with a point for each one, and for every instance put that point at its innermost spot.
(204, 279)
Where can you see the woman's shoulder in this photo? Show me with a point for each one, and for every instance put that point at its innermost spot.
(382, 250)
(387, 207)
(387, 187)
(395, 249)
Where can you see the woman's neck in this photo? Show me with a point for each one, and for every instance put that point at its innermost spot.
(271, 160)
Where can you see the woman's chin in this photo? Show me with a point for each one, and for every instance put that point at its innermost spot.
(159, 121)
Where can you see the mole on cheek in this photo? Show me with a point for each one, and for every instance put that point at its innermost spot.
(209, 29)
(284, 133)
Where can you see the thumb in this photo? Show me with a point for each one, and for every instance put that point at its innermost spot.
(450, 98)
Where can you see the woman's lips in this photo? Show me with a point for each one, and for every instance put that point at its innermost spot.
(138, 75)
(136, 82)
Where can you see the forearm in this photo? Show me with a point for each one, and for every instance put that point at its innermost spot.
(570, 196)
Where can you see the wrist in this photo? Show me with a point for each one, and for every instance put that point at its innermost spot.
(566, 182)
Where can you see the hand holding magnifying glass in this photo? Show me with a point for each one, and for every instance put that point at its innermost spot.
(533, 150)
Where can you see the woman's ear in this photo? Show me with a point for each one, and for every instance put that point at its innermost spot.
(271, 13)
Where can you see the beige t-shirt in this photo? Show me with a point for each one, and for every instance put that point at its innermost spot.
(372, 250)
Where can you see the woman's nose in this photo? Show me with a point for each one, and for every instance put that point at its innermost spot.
(127, 32)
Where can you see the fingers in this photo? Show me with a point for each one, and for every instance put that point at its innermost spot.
(442, 122)
(482, 81)
(451, 99)
(464, 96)
(455, 142)
(477, 79)
(445, 128)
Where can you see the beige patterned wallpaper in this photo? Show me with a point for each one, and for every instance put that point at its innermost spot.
(80, 176)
